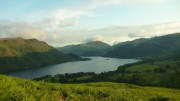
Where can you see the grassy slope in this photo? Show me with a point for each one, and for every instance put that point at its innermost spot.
(15, 89)
(168, 64)
(18, 46)
(142, 68)
(164, 73)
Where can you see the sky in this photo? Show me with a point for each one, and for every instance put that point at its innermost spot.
(64, 22)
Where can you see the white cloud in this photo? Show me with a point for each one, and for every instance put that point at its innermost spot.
(155, 30)
(68, 17)
(55, 23)
(116, 34)
(64, 17)
(18, 29)
(62, 14)
(62, 36)
(27, 30)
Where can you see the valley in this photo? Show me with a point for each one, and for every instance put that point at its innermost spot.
(151, 76)
(89, 50)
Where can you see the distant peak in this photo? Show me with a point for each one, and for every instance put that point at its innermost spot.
(33, 39)
(18, 38)
(94, 42)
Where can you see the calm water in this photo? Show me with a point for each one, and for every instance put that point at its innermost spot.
(97, 65)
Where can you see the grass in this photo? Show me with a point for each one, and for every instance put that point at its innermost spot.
(15, 89)
(142, 68)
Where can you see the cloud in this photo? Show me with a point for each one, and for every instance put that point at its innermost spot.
(50, 23)
(113, 35)
(27, 30)
(53, 38)
(61, 36)
(62, 14)
(69, 17)
(155, 30)
(64, 17)
(18, 29)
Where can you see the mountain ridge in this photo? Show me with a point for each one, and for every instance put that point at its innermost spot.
(138, 48)
(95, 48)
(150, 47)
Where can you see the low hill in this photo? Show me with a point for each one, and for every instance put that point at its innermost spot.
(15, 89)
(18, 53)
(95, 48)
(157, 46)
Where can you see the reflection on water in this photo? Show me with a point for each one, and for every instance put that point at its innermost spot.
(97, 65)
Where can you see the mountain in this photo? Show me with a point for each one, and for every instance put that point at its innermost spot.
(16, 89)
(18, 54)
(152, 47)
(95, 48)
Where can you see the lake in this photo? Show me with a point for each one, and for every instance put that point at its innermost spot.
(97, 65)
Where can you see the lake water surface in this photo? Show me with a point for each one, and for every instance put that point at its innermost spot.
(97, 65)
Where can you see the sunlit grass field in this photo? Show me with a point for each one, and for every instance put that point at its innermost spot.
(15, 89)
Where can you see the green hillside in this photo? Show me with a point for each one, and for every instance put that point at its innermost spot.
(10, 47)
(157, 46)
(95, 48)
(17, 54)
(15, 89)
